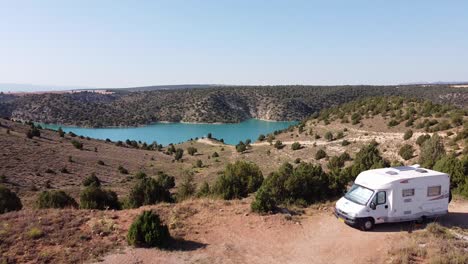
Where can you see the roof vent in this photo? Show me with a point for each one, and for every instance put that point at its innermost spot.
(421, 170)
(391, 172)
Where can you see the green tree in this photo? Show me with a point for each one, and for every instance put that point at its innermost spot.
(96, 198)
(431, 151)
(55, 199)
(238, 180)
(241, 147)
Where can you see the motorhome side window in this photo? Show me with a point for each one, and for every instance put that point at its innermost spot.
(433, 190)
(408, 192)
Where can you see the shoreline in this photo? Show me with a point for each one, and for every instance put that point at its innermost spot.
(155, 123)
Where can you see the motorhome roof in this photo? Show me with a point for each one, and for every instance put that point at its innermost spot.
(379, 178)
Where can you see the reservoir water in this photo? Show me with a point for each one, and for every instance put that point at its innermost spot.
(165, 133)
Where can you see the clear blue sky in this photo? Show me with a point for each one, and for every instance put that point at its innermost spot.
(136, 43)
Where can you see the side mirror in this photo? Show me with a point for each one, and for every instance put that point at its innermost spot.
(373, 206)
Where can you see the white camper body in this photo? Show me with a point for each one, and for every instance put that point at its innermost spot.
(394, 195)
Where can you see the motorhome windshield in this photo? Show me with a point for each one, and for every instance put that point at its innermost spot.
(359, 194)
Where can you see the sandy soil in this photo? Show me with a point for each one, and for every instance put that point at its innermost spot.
(232, 235)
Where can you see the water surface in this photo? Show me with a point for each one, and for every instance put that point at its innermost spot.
(165, 133)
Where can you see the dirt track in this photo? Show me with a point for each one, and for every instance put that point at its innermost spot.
(231, 236)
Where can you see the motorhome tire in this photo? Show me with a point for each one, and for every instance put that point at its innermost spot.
(367, 224)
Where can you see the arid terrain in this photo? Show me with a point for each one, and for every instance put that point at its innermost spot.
(211, 230)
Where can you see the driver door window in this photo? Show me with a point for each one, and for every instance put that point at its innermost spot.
(380, 198)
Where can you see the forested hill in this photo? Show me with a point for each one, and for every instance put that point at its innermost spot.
(215, 104)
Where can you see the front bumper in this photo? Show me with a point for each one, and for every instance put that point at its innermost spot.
(345, 218)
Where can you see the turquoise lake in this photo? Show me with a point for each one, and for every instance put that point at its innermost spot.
(165, 133)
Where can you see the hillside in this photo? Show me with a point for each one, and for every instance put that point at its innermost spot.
(218, 104)
(209, 229)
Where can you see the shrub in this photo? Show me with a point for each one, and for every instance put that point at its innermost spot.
(9, 201)
(77, 144)
(367, 158)
(187, 188)
(96, 198)
(92, 180)
(408, 134)
(100, 162)
(278, 144)
(35, 233)
(297, 160)
(122, 170)
(55, 199)
(166, 181)
(204, 190)
(64, 170)
(241, 147)
(320, 154)
(140, 175)
(191, 151)
(304, 184)
(261, 137)
(215, 155)
(393, 123)
(406, 152)
(454, 167)
(209, 135)
(264, 202)
(340, 135)
(33, 132)
(345, 143)
(148, 191)
(60, 132)
(179, 153)
(422, 138)
(148, 231)
(199, 164)
(328, 136)
(431, 151)
(296, 146)
(238, 180)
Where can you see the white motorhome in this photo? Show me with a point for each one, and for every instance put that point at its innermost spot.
(395, 194)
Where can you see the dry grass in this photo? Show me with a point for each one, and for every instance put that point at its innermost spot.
(436, 245)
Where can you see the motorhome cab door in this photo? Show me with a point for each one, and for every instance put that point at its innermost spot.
(380, 203)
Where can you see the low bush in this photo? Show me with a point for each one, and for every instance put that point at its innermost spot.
(77, 144)
(408, 134)
(96, 198)
(420, 140)
(187, 187)
(329, 136)
(55, 199)
(122, 170)
(305, 184)
(92, 180)
(278, 144)
(204, 190)
(345, 143)
(147, 230)
(241, 147)
(9, 201)
(320, 154)
(296, 146)
(148, 191)
(215, 155)
(238, 180)
(179, 153)
(100, 162)
(191, 151)
(406, 152)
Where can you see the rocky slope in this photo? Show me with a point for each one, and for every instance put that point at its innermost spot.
(219, 104)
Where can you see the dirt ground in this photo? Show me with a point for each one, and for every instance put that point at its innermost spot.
(233, 235)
